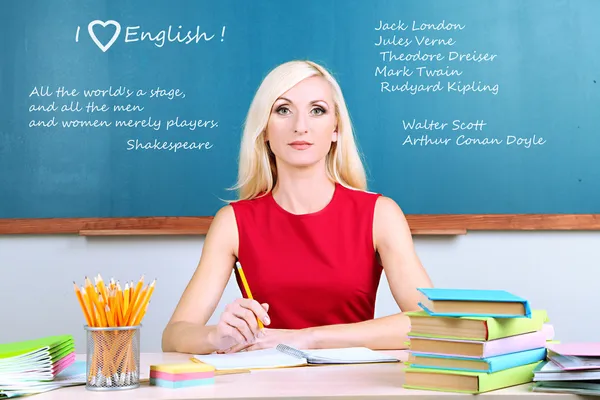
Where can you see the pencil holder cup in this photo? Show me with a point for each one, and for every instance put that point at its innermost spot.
(113, 358)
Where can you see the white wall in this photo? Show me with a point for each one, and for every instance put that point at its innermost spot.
(558, 271)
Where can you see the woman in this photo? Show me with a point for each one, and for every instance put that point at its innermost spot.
(311, 240)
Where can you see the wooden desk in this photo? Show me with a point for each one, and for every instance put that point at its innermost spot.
(374, 381)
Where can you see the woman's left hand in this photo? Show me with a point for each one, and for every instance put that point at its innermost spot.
(299, 338)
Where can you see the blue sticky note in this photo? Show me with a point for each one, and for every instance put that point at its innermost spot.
(181, 384)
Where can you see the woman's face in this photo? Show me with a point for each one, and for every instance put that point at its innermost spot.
(302, 124)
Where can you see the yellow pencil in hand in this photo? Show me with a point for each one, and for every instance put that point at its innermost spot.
(247, 289)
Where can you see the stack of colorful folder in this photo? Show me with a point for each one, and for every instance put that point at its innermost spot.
(474, 341)
(28, 366)
(182, 375)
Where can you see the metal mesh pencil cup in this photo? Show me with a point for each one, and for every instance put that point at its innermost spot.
(113, 358)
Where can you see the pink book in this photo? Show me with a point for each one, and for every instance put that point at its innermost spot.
(580, 349)
(491, 348)
(549, 330)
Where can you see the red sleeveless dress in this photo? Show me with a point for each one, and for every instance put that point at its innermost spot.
(312, 269)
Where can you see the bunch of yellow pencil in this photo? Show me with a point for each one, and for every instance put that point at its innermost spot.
(106, 306)
(110, 305)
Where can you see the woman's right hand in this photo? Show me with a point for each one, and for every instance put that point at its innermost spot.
(238, 324)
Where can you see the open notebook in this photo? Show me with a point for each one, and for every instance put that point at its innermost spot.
(286, 356)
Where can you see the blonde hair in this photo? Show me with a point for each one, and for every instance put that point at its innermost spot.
(257, 172)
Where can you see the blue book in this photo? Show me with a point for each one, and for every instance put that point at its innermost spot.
(473, 303)
(488, 364)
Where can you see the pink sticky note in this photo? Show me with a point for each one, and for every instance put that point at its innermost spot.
(582, 349)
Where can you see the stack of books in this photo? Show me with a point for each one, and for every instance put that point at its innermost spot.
(570, 368)
(474, 341)
(37, 365)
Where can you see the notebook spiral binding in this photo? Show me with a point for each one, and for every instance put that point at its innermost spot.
(290, 350)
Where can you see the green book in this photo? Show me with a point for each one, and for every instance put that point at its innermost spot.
(40, 359)
(474, 328)
(467, 382)
(32, 347)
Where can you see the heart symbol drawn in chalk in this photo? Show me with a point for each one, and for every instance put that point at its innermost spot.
(104, 24)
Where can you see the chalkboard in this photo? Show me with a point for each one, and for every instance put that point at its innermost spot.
(133, 109)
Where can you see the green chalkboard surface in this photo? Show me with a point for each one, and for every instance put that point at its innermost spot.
(132, 109)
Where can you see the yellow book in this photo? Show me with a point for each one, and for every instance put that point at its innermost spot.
(467, 382)
(474, 328)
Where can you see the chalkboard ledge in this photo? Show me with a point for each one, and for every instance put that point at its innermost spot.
(456, 224)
